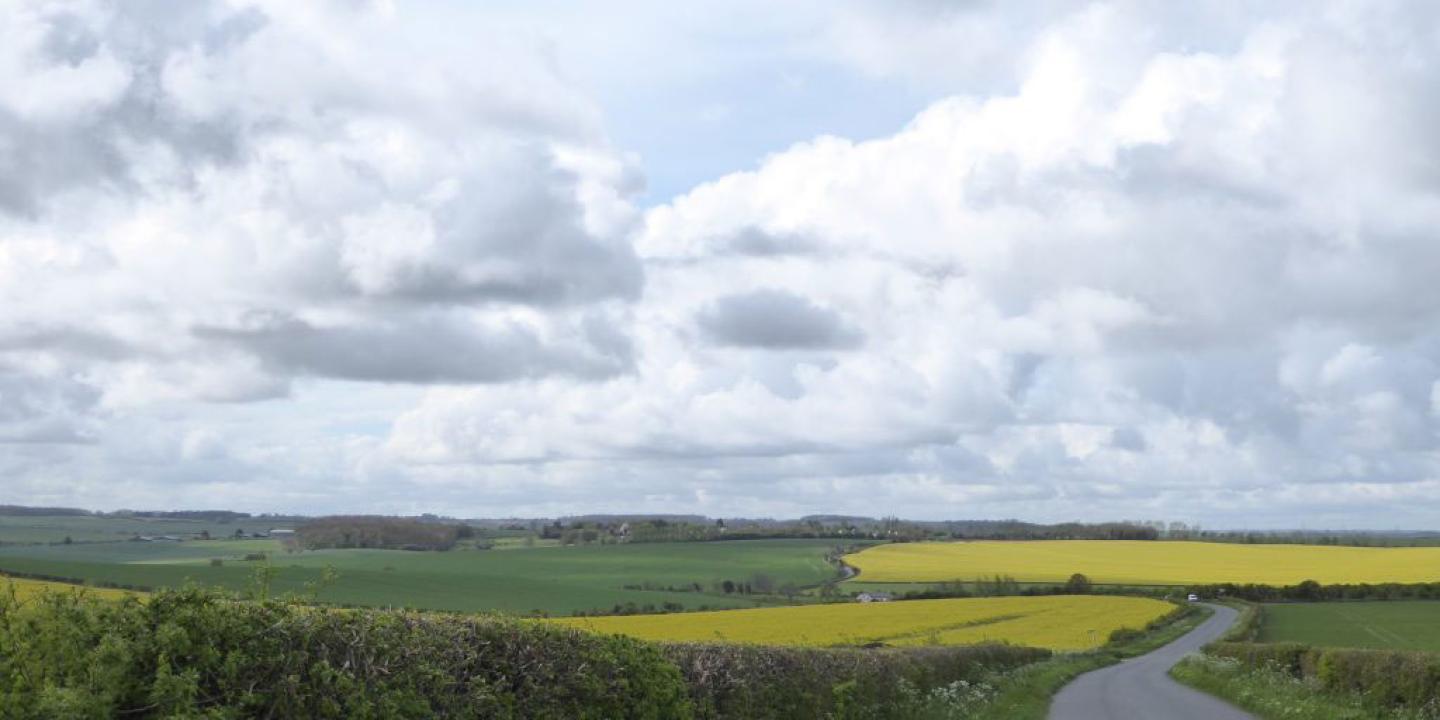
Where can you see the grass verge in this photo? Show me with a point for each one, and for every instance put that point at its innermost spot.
(1275, 695)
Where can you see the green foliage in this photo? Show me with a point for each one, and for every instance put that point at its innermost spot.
(367, 531)
(1390, 679)
(1000, 585)
(1247, 626)
(1275, 695)
(200, 654)
(1312, 591)
(744, 681)
(194, 653)
(1025, 693)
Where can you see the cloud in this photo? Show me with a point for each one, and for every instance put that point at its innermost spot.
(185, 167)
(428, 349)
(1126, 260)
(40, 408)
(776, 320)
(1129, 283)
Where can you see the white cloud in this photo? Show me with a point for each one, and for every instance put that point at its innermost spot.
(1133, 260)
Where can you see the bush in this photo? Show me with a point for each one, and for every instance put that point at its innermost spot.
(1246, 627)
(1124, 634)
(1078, 584)
(193, 653)
(1389, 678)
(1290, 658)
(745, 681)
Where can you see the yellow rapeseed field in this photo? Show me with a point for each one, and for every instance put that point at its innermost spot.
(1144, 563)
(1061, 622)
(26, 589)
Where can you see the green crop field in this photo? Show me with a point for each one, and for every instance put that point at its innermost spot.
(1398, 624)
(83, 528)
(556, 580)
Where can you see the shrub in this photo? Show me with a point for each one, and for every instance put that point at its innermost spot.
(193, 653)
(1120, 635)
(1078, 584)
(1388, 678)
(747, 681)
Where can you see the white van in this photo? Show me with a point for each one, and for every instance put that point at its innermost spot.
(1193, 598)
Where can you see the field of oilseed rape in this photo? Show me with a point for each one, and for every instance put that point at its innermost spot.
(1144, 563)
(27, 589)
(1058, 622)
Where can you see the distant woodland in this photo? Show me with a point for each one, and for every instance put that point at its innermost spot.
(390, 533)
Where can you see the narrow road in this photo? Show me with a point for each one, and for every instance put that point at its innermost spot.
(1141, 689)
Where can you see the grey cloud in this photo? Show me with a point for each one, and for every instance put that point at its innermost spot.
(89, 150)
(756, 241)
(515, 234)
(74, 341)
(44, 409)
(508, 215)
(427, 349)
(777, 320)
(1127, 438)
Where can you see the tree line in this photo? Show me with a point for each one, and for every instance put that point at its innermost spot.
(376, 532)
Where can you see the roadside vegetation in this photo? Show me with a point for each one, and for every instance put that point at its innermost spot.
(194, 653)
(1298, 680)
(1275, 694)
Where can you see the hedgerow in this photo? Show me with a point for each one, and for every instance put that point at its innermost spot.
(1397, 679)
(201, 654)
(748, 681)
(198, 654)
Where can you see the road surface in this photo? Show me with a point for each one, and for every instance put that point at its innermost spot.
(1140, 688)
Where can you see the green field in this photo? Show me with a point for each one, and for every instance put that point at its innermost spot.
(1398, 624)
(556, 580)
(82, 528)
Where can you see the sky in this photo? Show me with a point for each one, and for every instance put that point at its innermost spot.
(1026, 259)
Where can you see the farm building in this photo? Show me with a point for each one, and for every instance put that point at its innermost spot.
(866, 597)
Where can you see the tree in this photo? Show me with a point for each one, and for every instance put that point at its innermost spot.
(1078, 584)
(728, 586)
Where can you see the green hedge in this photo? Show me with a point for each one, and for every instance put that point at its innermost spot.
(739, 681)
(1247, 626)
(1388, 678)
(200, 654)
